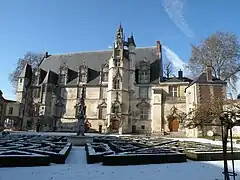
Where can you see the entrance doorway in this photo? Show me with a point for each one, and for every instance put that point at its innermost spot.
(134, 129)
(173, 125)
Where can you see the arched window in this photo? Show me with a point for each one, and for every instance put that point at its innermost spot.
(116, 84)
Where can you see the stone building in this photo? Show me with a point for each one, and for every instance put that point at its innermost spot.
(125, 90)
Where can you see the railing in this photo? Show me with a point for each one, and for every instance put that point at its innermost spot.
(175, 99)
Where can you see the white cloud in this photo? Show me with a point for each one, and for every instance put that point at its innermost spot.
(174, 58)
(174, 9)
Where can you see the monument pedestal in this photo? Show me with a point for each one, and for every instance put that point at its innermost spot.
(79, 140)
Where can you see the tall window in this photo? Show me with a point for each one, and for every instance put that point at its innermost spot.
(10, 111)
(105, 77)
(117, 62)
(116, 84)
(173, 91)
(143, 92)
(118, 52)
(102, 113)
(144, 113)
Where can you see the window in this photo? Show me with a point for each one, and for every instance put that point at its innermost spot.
(115, 109)
(116, 84)
(36, 92)
(83, 77)
(144, 76)
(144, 113)
(173, 91)
(29, 123)
(105, 76)
(117, 62)
(102, 113)
(20, 80)
(143, 92)
(10, 111)
(118, 52)
(62, 79)
(142, 127)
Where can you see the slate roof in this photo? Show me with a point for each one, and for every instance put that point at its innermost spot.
(94, 60)
(202, 78)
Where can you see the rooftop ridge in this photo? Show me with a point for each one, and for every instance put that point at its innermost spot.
(92, 51)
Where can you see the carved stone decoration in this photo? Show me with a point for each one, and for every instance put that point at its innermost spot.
(143, 103)
(174, 112)
(103, 104)
(118, 75)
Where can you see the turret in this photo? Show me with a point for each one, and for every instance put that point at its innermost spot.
(24, 81)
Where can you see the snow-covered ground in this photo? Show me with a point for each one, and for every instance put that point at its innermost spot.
(76, 168)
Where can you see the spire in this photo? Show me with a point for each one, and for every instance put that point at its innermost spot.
(131, 40)
(119, 34)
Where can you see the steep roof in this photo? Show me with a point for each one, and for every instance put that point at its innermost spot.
(93, 60)
(202, 78)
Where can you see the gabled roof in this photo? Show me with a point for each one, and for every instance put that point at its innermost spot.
(202, 79)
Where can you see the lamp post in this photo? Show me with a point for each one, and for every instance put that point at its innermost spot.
(227, 125)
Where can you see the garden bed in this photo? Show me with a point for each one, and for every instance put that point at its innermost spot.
(25, 150)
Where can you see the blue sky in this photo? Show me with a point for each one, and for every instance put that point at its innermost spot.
(61, 26)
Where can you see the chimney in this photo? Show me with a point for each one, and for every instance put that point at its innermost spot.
(159, 49)
(159, 56)
(209, 72)
(46, 55)
(180, 74)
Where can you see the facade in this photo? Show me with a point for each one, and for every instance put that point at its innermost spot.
(9, 114)
(126, 91)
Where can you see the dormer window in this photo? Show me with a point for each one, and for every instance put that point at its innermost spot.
(116, 84)
(118, 52)
(83, 75)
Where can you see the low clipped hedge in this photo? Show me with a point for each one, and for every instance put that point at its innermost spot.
(211, 156)
(96, 157)
(58, 158)
(141, 159)
(24, 160)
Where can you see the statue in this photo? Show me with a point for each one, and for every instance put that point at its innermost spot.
(81, 114)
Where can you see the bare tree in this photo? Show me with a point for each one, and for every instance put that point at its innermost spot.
(168, 69)
(31, 58)
(217, 112)
(222, 51)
